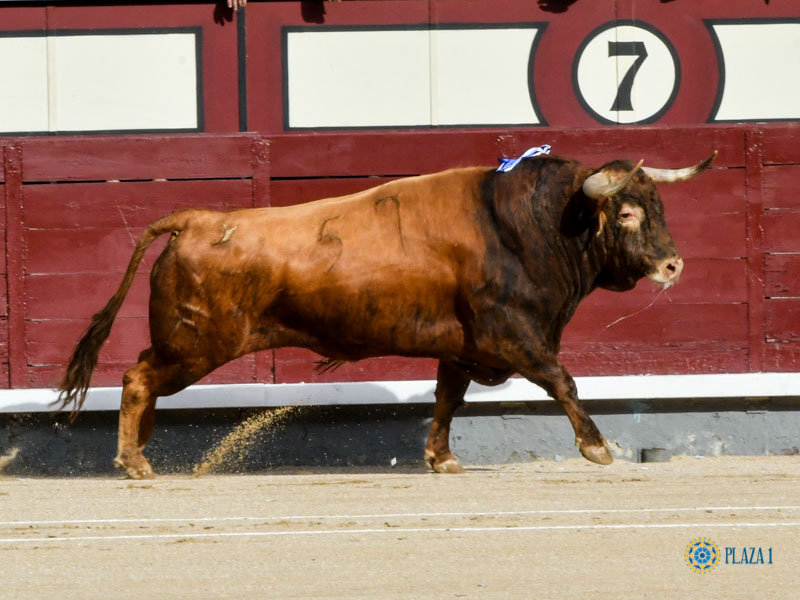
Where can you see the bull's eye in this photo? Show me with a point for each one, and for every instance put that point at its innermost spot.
(631, 217)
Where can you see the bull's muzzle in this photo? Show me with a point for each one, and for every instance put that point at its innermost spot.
(667, 271)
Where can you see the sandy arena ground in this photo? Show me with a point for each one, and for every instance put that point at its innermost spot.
(537, 530)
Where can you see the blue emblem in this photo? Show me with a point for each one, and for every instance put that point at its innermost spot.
(506, 164)
(701, 555)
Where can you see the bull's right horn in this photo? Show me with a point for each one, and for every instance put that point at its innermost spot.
(605, 184)
(673, 175)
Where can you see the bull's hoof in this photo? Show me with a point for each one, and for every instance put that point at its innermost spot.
(137, 469)
(597, 454)
(449, 465)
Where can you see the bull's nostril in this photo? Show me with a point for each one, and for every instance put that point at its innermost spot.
(668, 270)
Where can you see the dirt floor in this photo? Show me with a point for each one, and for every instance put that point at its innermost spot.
(536, 530)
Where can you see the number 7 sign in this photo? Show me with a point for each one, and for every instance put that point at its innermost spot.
(626, 72)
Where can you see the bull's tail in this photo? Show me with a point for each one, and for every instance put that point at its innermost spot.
(72, 389)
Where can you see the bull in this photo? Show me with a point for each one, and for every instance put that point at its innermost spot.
(477, 268)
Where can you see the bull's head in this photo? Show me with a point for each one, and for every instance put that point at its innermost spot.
(630, 222)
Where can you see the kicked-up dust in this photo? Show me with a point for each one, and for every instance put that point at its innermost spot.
(235, 446)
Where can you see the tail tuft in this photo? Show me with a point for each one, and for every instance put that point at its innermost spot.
(73, 388)
(75, 384)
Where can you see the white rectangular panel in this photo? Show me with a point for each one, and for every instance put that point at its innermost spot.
(357, 78)
(481, 76)
(760, 71)
(124, 82)
(23, 91)
(389, 77)
(99, 82)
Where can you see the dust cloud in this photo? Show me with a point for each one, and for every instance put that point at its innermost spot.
(6, 459)
(235, 446)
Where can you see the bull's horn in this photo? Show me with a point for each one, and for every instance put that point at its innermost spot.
(672, 175)
(604, 185)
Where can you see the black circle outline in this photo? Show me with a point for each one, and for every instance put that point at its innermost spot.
(642, 25)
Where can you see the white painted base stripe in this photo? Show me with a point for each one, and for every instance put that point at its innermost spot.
(348, 517)
(629, 387)
(394, 530)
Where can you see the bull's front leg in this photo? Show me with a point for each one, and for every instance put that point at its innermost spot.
(558, 383)
(451, 385)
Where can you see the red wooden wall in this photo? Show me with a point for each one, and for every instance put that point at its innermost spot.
(74, 206)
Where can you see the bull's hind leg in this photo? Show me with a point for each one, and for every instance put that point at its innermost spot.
(142, 385)
(451, 384)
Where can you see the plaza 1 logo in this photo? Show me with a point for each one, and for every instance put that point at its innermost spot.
(702, 555)
(748, 555)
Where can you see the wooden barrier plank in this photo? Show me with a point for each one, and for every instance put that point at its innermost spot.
(414, 152)
(704, 281)
(780, 144)
(102, 158)
(782, 357)
(110, 374)
(717, 191)
(658, 325)
(718, 236)
(4, 374)
(51, 341)
(755, 238)
(3, 299)
(659, 146)
(781, 227)
(80, 295)
(294, 365)
(98, 250)
(662, 361)
(782, 275)
(782, 320)
(780, 186)
(286, 192)
(3, 289)
(132, 204)
(395, 154)
(15, 267)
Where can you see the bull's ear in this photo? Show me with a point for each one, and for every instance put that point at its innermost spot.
(600, 215)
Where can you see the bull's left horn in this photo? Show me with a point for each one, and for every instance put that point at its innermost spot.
(604, 185)
(673, 175)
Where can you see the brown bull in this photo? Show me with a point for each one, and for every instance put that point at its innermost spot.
(479, 269)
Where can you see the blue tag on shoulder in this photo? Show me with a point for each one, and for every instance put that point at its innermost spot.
(506, 164)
